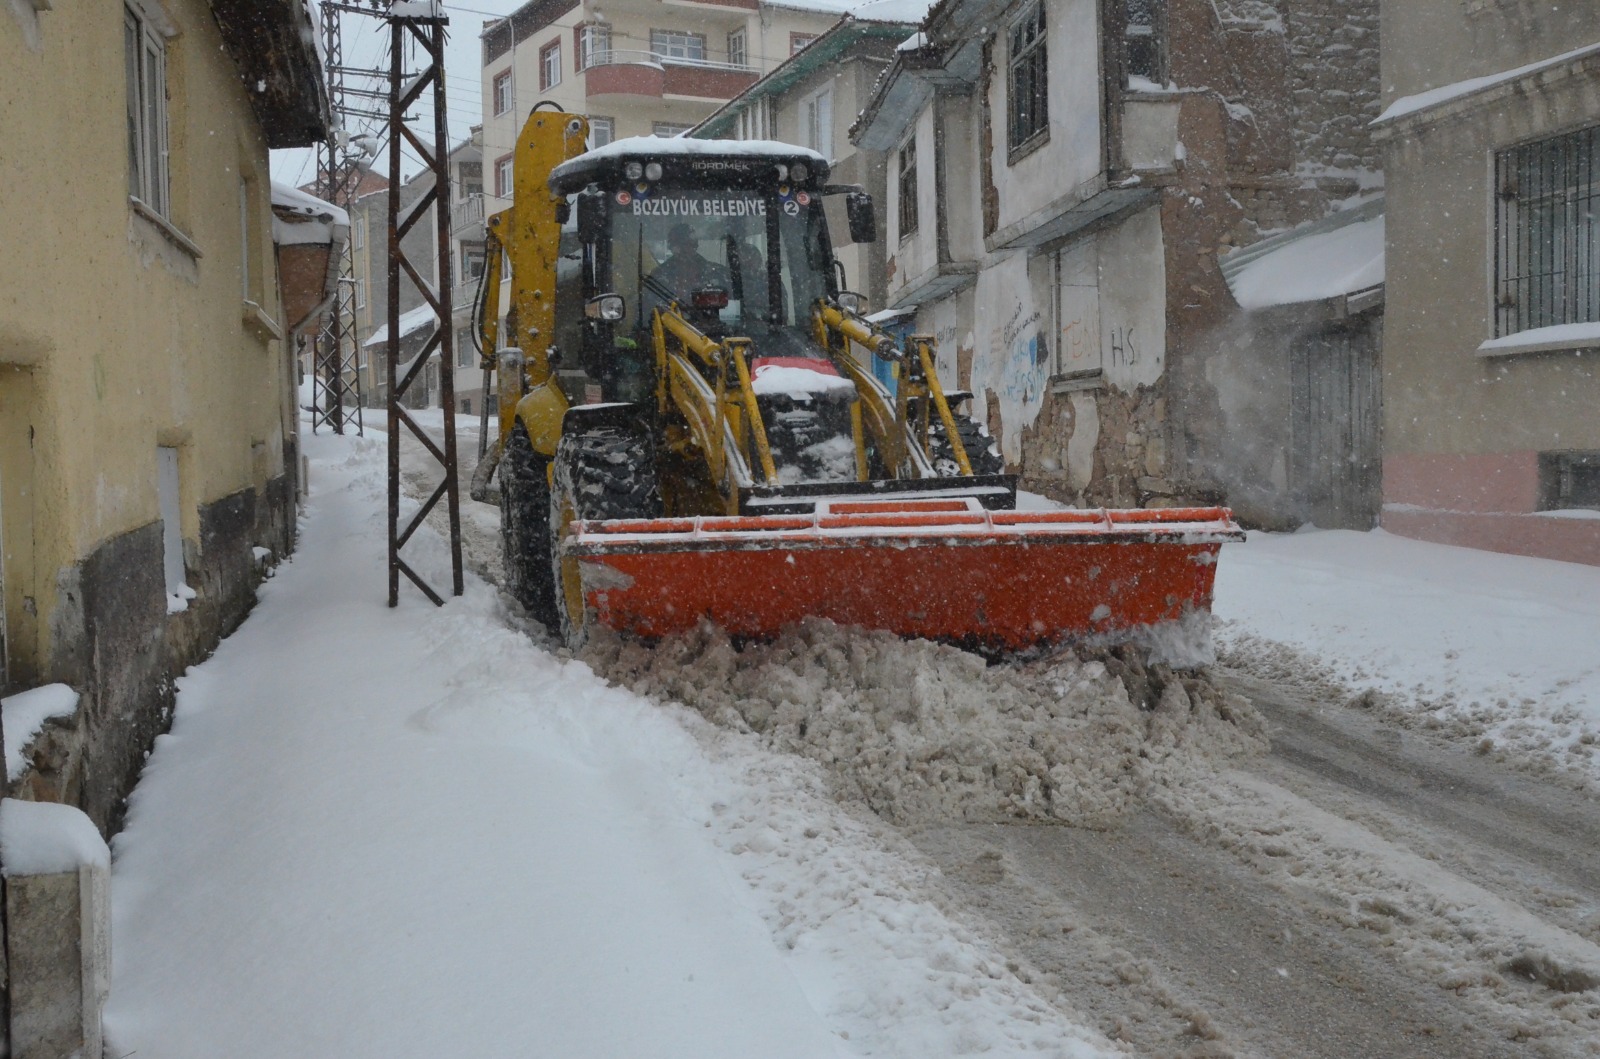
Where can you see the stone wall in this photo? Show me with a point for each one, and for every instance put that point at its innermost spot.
(122, 651)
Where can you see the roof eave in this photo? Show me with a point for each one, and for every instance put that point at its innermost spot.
(273, 45)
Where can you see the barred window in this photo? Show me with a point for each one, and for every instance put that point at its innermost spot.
(1547, 261)
(1028, 114)
(907, 187)
(1142, 40)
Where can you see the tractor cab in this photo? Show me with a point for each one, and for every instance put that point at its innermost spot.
(737, 242)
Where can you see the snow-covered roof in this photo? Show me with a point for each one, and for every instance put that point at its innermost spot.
(415, 320)
(1329, 258)
(892, 11)
(1434, 97)
(682, 146)
(299, 218)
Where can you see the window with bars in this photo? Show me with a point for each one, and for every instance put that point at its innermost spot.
(668, 128)
(602, 131)
(675, 44)
(1027, 109)
(906, 187)
(145, 60)
(594, 45)
(1547, 261)
(549, 66)
(1143, 39)
(1569, 480)
(502, 92)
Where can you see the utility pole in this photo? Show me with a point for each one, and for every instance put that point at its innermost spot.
(422, 22)
(337, 355)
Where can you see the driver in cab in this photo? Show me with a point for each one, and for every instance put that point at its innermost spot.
(685, 270)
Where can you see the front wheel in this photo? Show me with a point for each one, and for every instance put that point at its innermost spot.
(604, 473)
(525, 527)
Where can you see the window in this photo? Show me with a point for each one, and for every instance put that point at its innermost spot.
(502, 92)
(1141, 40)
(358, 232)
(1547, 261)
(1569, 480)
(466, 356)
(246, 242)
(736, 48)
(816, 122)
(601, 131)
(907, 187)
(471, 262)
(358, 293)
(145, 59)
(673, 44)
(549, 66)
(1027, 113)
(667, 128)
(169, 500)
(502, 177)
(594, 45)
(798, 41)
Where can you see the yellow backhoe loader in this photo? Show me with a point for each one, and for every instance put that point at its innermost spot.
(690, 429)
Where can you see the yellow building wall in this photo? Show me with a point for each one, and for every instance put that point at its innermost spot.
(115, 339)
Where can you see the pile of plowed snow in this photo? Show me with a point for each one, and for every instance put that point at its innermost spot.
(925, 732)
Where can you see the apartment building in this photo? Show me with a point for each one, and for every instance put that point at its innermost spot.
(808, 100)
(635, 67)
(1491, 127)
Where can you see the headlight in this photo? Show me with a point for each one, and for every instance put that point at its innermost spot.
(783, 173)
(604, 307)
(800, 171)
(652, 171)
(850, 301)
(633, 170)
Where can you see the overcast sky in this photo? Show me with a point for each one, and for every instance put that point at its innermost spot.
(366, 46)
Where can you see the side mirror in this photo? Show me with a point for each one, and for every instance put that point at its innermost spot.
(863, 221)
(591, 217)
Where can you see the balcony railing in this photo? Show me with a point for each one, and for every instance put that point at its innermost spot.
(626, 56)
(648, 73)
(468, 213)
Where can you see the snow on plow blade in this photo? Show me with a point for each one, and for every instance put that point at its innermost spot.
(942, 569)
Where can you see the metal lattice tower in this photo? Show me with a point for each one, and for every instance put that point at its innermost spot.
(336, 370)
(426, 28)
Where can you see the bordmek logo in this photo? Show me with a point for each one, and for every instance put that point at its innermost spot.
(719, 164)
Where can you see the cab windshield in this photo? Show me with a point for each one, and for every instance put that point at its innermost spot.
(766, 252)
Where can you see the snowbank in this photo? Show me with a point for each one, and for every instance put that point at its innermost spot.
(1499, 649)
(923, 732)
(45, 838)
(24, 713)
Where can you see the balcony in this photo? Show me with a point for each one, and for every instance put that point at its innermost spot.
(467, 216)
(647, 74)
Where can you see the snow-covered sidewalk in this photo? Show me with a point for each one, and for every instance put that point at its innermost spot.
(1503, 649)
(414, 832)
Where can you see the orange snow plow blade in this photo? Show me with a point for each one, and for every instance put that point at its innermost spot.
(945, 569)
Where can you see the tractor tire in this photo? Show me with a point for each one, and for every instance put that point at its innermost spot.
(525, 527)
(982, 453)
(605, 473)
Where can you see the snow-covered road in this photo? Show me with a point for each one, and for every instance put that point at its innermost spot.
(422, 832)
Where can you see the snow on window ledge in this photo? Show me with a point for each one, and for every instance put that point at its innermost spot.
(178, 599)
(1557, 339)
(166, 227)
(260, 322)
